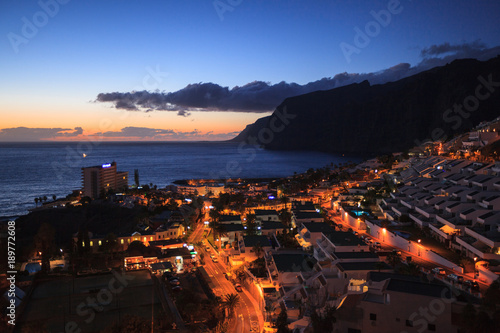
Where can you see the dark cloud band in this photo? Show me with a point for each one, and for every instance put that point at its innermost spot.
(260, 97)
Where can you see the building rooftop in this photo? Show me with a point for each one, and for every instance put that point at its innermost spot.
(354, 255)
(294, 262)
(259, 212)
(251, 241)
(344, 238)
(318, 227)
(363, 266)
(271, 225)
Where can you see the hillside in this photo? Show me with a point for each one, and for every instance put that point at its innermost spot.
(373, 119)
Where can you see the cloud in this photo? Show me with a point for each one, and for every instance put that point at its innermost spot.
(457, 49)
(130, 133)
(261, 97)
(154, 134)
(36, 134)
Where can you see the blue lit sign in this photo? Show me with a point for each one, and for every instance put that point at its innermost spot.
(108, 165)
(271, 197)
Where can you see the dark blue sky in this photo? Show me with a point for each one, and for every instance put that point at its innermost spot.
(92, 47)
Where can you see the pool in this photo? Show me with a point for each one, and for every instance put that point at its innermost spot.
(360, 212)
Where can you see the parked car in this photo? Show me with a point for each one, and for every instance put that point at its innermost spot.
(438, 270)
(226, 276)
(453, 277)
(175, 282)
(177, 288)
(376, 244)
(214, 259)
(473, 285)
(238, 288)
(368, 240)
(207, 248)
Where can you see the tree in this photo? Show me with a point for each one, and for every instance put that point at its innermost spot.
(379, 265)
(269, 309)
(251, 225)
(394, 259)
(136, 177)
(110, 243)
(136, 246)
(323, 323)
(285, 200)
(54, 197)
(44, 198)
(282, 322)
(36, 202)
(257, 249)
(44, 242)
(491, 298)
(230, 303)
(285, 217)
(410, 269)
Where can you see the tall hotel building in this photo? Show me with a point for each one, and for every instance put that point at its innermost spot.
(97, 179)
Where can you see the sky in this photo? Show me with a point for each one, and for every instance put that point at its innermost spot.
(203, 70)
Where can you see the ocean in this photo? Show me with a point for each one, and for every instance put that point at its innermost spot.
(31, 170)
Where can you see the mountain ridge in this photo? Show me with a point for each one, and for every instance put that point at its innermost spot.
(372, 119)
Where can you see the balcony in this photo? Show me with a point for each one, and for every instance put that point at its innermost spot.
(443, 230)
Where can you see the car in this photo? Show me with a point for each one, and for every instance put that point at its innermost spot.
(215, 260)
(368, 240)
(376, 244)
(452, 277)
(355, 233)
(238, 288)
(226, 276)
(473, 285)
(207, 248)
(171, 278)
(175, 282)
(177, 288)
(438, 270)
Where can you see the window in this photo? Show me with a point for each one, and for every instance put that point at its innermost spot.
(431, 327)
(151, 238)
(91, 243)
(373, 316)
(121, 241)
(100, 243)
(409, 323)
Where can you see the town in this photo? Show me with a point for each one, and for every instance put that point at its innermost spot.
(341, 248)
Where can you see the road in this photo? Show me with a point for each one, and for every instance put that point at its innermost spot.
(246, 314)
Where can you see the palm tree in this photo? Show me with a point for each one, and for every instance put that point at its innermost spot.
(379, 265)
(285, 200)
(44, 198)
(269, 310)
(36, 202)
(257, 249)
(54, 197)
(230, 303)
(393, 259)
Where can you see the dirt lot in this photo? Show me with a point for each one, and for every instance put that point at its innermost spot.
(92, 302)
